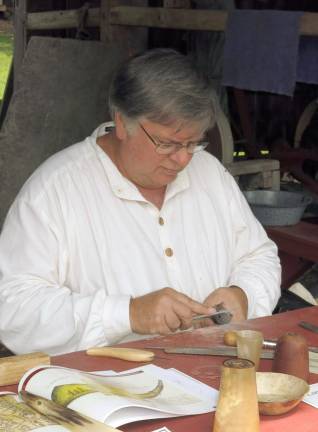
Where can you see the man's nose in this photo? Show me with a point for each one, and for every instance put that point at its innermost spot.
(181, 157)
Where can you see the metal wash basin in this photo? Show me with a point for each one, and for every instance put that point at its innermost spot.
(277, 207)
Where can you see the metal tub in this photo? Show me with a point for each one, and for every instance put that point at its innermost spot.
(277, 207)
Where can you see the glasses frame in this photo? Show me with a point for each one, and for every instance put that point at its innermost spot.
(175, 147)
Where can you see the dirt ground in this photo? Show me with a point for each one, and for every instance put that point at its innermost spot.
(6, 26)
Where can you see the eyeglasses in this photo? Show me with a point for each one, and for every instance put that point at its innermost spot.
(172, 147)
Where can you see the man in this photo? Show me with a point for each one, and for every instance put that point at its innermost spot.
(136, 229)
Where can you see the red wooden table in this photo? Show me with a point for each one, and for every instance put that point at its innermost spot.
(298, 240)
(207, 369)
(298, 248)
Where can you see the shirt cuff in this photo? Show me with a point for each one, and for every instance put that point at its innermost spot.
(249, 290)
(259, 299)
(116, 318)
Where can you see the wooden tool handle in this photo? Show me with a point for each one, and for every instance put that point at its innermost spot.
(131, 354)
(12, 368)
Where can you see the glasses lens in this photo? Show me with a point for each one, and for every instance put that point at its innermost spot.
(166, 148)
(173, 148)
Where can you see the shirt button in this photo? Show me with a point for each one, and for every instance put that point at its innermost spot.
(161, 221)
(169, 252)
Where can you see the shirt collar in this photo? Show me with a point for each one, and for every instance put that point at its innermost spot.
(124, 188)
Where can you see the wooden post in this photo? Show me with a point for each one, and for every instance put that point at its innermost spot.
(133, 40)
(20, 35)
(104, 27)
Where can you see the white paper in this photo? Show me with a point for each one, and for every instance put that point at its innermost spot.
(15, 416)
(91, 394)
(194, 385)
(190, 384)
(162, 429)
(311, 398)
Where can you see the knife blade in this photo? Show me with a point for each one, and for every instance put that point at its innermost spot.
(214, 351)
(308, 326)
(228, 351)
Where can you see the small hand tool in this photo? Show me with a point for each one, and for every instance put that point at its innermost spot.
(308, 326)
(14, 367)
(221, 316)
(131, 354)
(225, 351)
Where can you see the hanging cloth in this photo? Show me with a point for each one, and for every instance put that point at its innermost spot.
(261, 50)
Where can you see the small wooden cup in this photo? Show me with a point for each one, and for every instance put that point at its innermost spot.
(292, 356)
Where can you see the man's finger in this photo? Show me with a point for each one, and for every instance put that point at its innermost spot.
(195, 307)
(173, 322)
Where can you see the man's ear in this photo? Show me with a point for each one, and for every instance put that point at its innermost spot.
(121, 131)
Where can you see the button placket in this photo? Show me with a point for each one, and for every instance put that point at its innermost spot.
(168, 251)
(169, 254)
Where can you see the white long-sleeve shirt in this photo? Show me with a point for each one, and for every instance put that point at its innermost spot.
(80, 240)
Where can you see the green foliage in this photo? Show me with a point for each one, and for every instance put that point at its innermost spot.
(6, 51)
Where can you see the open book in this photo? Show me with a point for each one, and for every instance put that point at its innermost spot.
(57, 399)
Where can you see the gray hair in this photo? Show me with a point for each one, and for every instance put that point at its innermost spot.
(163, 86)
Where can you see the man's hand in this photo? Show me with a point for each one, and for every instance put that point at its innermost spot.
(234, 300)
(164, 311)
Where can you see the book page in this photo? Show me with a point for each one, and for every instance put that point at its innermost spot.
(16, 416)
(311, 398)
(139, 394)
(188, 383)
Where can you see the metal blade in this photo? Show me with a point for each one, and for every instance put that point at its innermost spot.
(271, 344)
(221, 317)
(308, 326)
(215, 351)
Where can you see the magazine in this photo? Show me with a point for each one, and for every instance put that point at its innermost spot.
(58, 399)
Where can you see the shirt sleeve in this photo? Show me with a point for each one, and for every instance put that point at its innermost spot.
(38, 311)
(256, 266)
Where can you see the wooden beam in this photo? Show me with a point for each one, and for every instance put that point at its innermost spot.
(63, 19)
(186, 19)
(253, 166)
(132, 16)
(309, 24)
(193, 19)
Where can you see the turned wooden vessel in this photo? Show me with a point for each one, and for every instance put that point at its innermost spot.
(292, 356)
(237, 408)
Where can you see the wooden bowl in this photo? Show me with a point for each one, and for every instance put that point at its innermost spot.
(279, 393)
